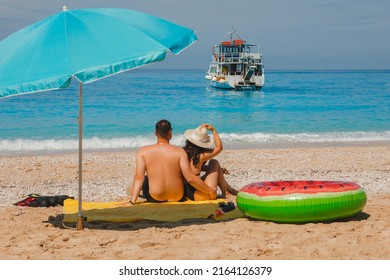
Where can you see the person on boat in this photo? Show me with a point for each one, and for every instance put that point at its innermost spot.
(198, 147)
(166, 167)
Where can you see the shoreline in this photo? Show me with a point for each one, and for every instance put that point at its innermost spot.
(37, 233)
(227, 147)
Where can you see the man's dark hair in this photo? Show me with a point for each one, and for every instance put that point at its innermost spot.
(163, 128)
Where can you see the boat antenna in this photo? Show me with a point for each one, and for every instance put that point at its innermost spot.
(235, 32)
(232, 33)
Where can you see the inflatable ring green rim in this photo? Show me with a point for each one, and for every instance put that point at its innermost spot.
(302, 207)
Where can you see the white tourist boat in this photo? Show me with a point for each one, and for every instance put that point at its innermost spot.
(236, 65)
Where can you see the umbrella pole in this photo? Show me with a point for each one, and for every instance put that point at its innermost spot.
(80, 221)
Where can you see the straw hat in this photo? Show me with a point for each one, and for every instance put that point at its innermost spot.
(199, 137)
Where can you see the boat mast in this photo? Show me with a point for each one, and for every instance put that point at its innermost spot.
(232, 33)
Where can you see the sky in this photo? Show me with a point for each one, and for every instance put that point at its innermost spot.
(292, 34)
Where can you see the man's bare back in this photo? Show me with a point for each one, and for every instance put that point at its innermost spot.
(164, 172)
(165, 166)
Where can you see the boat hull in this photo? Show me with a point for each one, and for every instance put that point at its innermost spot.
(236, 83)
(225, 85)
(219, 85)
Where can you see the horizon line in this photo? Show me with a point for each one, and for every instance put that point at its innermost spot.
(292, 69)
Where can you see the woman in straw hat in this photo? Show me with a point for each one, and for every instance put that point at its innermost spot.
(199, 148)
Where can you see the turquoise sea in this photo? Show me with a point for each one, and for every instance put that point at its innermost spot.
(294, 108)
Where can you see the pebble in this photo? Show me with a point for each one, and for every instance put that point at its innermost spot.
(107, 175)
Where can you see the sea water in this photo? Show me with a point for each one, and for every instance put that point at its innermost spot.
(293, 108)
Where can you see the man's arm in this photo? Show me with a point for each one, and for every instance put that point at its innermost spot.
(138, 179)
(191, 178)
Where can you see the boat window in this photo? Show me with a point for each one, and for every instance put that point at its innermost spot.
(239, 68)
(233, 69)
(224, 70)
(260, 69)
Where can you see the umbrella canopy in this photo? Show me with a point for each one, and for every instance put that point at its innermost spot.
(86, 44)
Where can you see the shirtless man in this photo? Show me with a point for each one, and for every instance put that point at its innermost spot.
(165, 166)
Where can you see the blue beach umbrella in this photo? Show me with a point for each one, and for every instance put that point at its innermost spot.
(85, 44)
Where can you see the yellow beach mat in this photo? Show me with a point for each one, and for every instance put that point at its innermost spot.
(165, 212)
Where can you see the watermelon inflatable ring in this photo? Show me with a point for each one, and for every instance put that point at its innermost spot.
(301, 201)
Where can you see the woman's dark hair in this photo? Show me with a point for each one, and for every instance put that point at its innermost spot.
(163, 128)
(193, 152)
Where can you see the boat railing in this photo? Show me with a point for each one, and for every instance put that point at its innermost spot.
(237, 57)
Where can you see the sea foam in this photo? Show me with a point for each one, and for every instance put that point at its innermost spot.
(325, 137)
(20, 146)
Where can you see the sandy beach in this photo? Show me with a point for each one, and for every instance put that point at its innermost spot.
(37, 233)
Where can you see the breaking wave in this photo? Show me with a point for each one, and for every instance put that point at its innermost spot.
(20, 146)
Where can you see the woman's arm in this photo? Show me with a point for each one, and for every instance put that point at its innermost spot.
(218, 144)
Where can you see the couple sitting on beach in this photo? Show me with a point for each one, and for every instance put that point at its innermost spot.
(173, 173)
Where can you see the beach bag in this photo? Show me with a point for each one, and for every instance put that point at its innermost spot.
(36, 200)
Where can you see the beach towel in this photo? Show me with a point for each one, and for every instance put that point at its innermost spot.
(165, 212)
